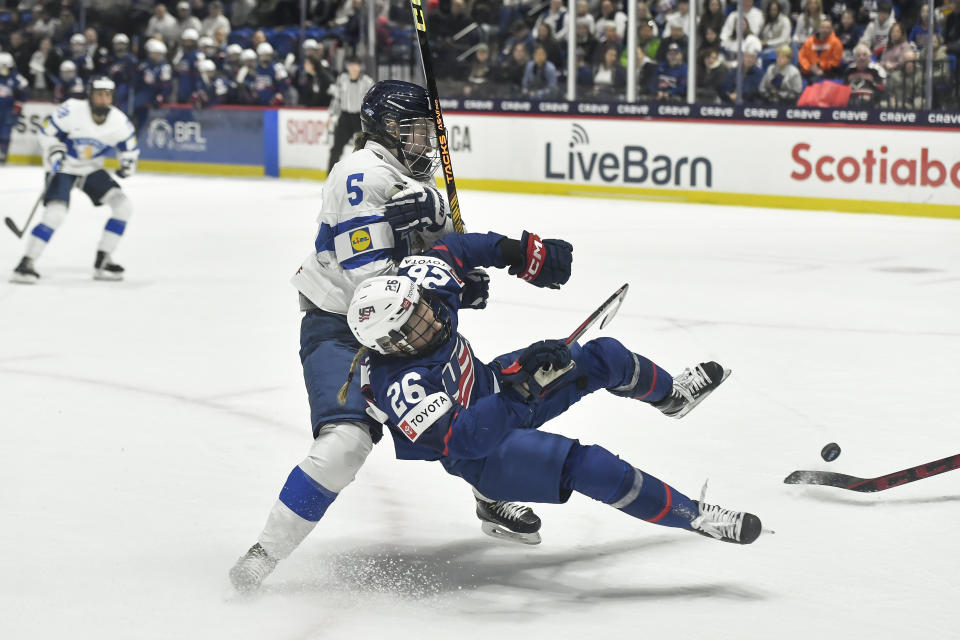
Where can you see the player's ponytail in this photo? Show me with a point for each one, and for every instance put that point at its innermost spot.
(342, 395)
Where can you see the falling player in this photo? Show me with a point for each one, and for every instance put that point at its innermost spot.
(379, 205)
(75, 140)
(481, 420)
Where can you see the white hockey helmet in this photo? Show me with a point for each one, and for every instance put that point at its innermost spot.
(206, 66)
(205, 42)
(392, 316)
(67, 68)
(121, 38)
(189, 34)
(248, 55)
(6, 60)
(264, 49)
(155, 46)
(309, 44)
(78, 38)
(234, 50)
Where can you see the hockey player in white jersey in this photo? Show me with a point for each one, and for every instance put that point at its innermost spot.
(379, 205)
(75, 140)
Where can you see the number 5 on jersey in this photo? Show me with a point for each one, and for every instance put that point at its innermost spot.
(356, 194)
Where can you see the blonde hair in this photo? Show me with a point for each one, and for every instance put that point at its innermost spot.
(342, 394)
(785, 50)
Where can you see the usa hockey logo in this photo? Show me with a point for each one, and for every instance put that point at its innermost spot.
(365, 313)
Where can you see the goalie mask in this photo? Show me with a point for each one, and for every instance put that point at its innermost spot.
(392, 315)
(398, 115)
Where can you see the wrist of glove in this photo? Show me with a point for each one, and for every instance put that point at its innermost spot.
(55, 160)
(539, 369)
(415, 209)
(476, 290)
(127, 168)
(543, 263)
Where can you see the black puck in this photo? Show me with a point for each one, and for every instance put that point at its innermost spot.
(830, 452)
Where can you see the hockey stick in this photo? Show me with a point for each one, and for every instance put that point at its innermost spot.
(606, 311)
(880, 483)
(26, 225)
(420, 21)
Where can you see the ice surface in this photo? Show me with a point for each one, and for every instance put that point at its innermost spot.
(148, 425)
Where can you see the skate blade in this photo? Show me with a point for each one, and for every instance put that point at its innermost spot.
(17, 278)
(107, 276)
(691, 406)
(501, 533)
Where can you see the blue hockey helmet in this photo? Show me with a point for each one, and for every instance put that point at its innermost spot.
(398, 115)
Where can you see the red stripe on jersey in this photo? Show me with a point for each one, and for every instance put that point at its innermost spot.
(443, 247)
(666, 509)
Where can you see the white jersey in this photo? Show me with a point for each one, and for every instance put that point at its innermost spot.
(86, 143)
(354, 242)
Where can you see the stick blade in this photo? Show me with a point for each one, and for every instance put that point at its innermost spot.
(822, 478)
(617, 299)
(13, 227)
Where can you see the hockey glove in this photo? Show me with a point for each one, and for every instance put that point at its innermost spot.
(539, 368)
(55, 160)
(476, 290)
(128, 167)
(543, 263)
(415, 209)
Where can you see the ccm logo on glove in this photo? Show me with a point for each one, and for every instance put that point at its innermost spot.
(534, 259)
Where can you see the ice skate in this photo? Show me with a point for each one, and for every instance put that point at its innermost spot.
(251, 569)
(691, 387)
(106, 269)
(508, 520)
(725, 524)
(25, 273)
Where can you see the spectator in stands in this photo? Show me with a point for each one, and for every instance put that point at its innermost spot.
(164, 25)
(712, 76)
(314, 76)
(242, 12)
(214, 20)
(555, 17)
(750, 41)
(122, 69)
(610, 16)
(79, 56)
(510, 72)
(69, 84)
(906, 88)
(675, 36)
(951, 31)
(478, 82)
(896, 49)
(710, 40)
(257, 39)
(646, 73)
(671, 78)
(66, 26)
(781, 83)
(821, 55)
(186, 19)
(41, 80)
(752, 77)
(754, 18)
(848, 33)
(21, 51)
(876, 33)
(711, 18)
(919, 34)
(681, 16)
(44, 25)
(540, 77)
(809, 22)
(519, 34)
(544, 38)
(647, 38)
(213, 87)
(866, 78)
(776, 28)
(154, 81)
(185, 69)
(586, 41)
(609, 76)
(584, 15)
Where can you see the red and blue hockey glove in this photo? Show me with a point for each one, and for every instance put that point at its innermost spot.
(544, 263)
(539, 368)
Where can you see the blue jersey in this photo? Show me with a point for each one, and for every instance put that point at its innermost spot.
(670, 80)
(446, 403)
(188, 76)
(265, 82)
(69, 89)
(154, 80)
(13, 88)
(123, 71)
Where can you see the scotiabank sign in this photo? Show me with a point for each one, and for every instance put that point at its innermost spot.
(875, 166)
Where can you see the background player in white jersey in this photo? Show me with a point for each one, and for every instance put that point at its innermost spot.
(75, 140)
(379, 205)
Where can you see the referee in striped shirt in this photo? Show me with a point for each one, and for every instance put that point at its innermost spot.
(348, 94)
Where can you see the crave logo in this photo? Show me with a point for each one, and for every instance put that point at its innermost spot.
(627, 163)
(874, 167)
(360, 240)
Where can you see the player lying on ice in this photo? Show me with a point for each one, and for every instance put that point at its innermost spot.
(481, 421)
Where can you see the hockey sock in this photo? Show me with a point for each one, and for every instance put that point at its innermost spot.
(53, 215)
(122, 209)
(599, 474)
(302, 503)
(649, 382)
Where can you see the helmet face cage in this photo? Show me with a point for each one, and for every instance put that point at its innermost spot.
(418, 334)
(418, 144)
(398, 115)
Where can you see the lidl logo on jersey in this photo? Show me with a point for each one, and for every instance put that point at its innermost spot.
(182, 135)
(618, 163)
(360, 239)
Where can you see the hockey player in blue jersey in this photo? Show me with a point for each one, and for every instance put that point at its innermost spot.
(379, 205)
(185, 66)
(75, 140)
(267, 83)
(121, 67)
(481, 421)
(154, 81)
(14, 90)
